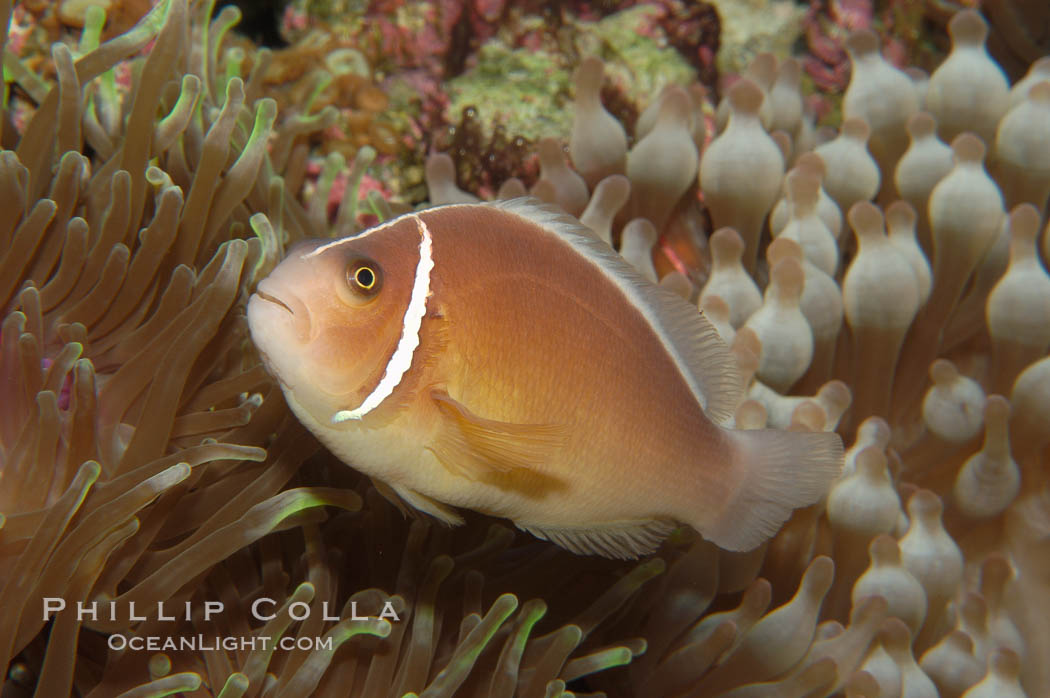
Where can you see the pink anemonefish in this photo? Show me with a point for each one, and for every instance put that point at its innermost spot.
(500, 357)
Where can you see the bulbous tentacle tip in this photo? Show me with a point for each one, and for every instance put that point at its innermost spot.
(968, 148)
(746, 97)
(788, 279)
(866, 219)
(589, 75)
(900, 216)
(726, 245)
(856, 129)
(783, 248)
(921, 125)
(968, 27)
(811, 163)
(862, 43)
(763, 69)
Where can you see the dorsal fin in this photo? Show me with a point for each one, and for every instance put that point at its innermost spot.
(701, 356)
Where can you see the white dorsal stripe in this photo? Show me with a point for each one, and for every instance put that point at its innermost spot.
(353, 238)
(401, 359)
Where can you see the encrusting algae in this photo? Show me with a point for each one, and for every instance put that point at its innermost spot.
(146, 456)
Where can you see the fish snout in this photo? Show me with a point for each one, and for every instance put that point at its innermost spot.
(271, 302)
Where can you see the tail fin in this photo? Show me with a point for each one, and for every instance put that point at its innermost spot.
(780, 471)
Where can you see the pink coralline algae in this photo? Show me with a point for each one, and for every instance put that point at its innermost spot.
(293, 20)
(449, 32)
(826, 28)
(827, 24)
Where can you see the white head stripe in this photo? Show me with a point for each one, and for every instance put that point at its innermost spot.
(401, 359)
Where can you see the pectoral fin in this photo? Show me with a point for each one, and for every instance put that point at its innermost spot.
(473, 447)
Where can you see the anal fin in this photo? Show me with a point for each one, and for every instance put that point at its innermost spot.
(623, 540)
(473, 447)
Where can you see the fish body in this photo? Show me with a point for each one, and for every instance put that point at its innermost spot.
(501, 358)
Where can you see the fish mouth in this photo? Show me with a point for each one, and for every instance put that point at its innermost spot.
(275, 300)
(298, 317)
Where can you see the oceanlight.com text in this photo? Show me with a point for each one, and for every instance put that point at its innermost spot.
(204, 643)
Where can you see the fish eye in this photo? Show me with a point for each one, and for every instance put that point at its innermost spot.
(363, 277)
